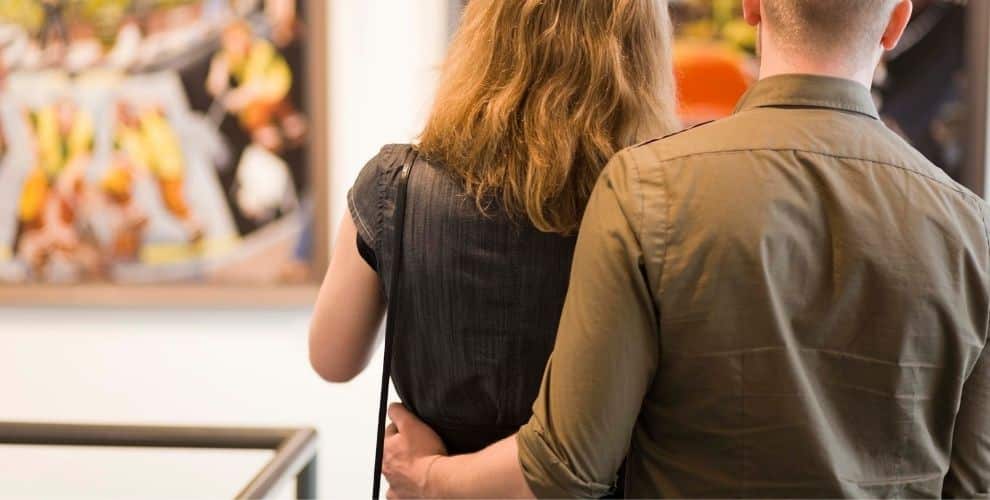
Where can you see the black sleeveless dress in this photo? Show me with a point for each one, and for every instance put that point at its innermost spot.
(481, 300)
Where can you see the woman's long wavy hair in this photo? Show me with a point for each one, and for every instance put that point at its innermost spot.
(536, 95)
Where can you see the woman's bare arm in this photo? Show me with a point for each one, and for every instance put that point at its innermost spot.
(348, 312)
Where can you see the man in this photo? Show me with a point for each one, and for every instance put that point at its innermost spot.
(790, 302)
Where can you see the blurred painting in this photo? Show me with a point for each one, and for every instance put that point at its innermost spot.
(716, 61)
(714, 57)
(155, 142)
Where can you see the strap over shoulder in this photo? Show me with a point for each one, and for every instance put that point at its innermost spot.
(399, 216)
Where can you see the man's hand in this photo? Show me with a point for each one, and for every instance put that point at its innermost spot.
(411, 448)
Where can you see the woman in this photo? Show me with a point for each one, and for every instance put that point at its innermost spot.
(535, 96)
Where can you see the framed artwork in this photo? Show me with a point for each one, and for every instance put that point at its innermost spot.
(932, 90)
(162, 151)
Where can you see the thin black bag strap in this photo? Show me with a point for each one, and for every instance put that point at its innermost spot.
(398, 220)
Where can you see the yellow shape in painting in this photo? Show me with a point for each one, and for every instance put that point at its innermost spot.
(218, 246)
(117, 182)
(26, 13)
(167, 253)
(33, 196)
(80, 140)
(267, 69)
(130, 141)
(51, 152)
(164, 153)
(54, 150)
(173, 253)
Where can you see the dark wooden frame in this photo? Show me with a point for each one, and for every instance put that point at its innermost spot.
(295, 449)
(221, 295)
(978, 68)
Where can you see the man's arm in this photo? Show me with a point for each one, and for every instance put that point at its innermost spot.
(603, 363)
(491, 473)
(415, 465)
(969, 466)
(607, 348)
(969, 470)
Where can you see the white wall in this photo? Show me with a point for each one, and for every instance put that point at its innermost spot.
(383, 68)
(245, 367)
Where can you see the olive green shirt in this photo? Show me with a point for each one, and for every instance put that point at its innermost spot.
(790, 302)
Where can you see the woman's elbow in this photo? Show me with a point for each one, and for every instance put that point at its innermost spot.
(336, 376)
(329, 367)
(337, 373)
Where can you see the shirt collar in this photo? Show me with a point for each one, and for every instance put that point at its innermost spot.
(810, 91)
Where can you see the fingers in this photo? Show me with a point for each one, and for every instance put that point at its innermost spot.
(400, 416)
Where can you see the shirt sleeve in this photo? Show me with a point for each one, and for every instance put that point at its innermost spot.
(969, 469)
(367, 253)
(366, 198)
(969, 466)
(605, 356)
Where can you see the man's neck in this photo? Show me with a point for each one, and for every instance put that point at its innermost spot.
(774, 66)
(777, 59)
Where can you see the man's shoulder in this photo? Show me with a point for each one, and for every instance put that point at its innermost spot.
(671, 135)
(708, 137)
(843, 137)
(910, 159)
(640, 166)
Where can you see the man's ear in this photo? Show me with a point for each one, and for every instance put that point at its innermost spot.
(898, 23)
(751, 12)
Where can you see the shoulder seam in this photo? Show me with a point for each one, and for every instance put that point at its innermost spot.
(672, 134)
(828, 155)
(668, 229)
(641, 216)
(352, 208)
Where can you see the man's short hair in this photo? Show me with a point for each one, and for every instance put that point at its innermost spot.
(840, 28)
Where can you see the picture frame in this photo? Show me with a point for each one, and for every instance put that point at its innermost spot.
(978, 62)
(299, 292)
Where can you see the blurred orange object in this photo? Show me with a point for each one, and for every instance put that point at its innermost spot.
(118, 184)
(33, 196)
(711, 79)
(172, 195)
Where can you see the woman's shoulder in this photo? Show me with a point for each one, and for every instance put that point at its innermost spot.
(389, 158)
(370, 199)
(365, 198)
(391, 152)
(382, 170)
(380, 167)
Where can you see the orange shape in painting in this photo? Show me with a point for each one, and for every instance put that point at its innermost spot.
(33, 196)
(711, 79)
